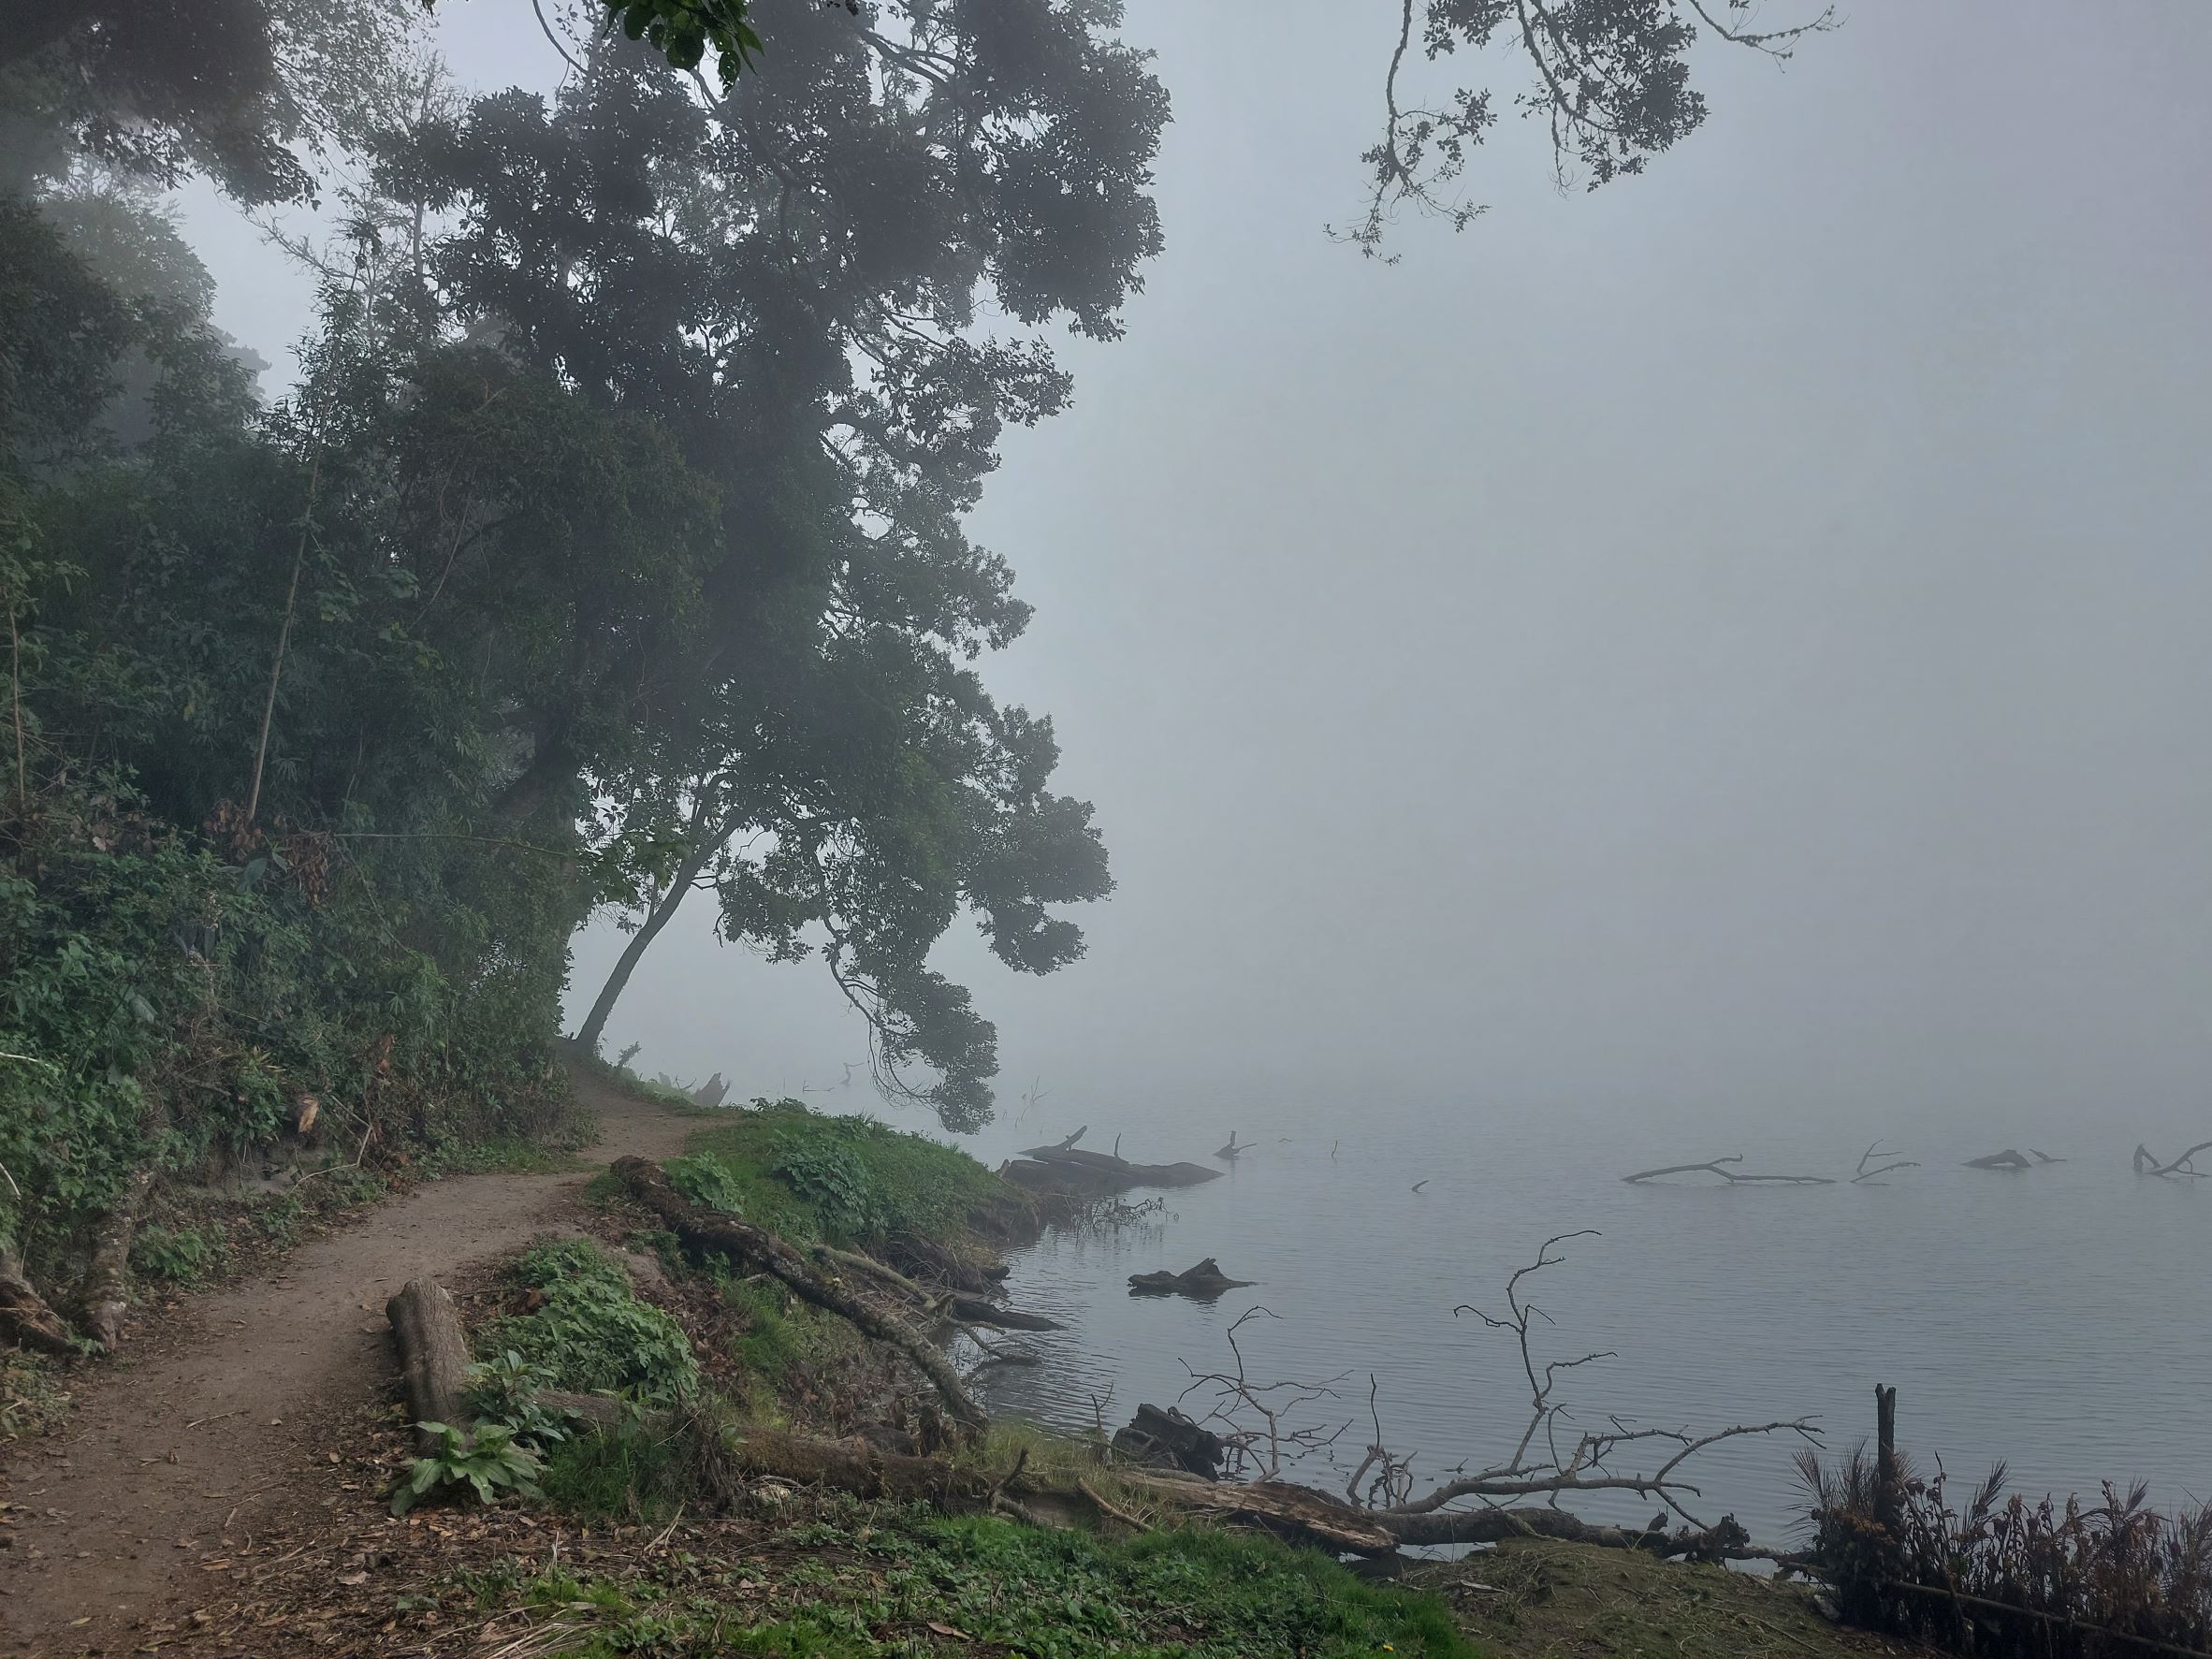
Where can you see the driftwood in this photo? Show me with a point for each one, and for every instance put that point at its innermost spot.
(2010, 1158)
(1230, 1151)
(1165, 1438)
(709, 1233)
(1062, 1172)
(1206, 1279)
(24, 1316)
(710, 1093)
(1715, 1167)
(107, 1277)
(2146, 1163)
(433, 1357)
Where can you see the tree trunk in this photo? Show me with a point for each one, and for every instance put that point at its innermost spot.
(104, 1281)
(24, 1317)
(433, 1356)
(594, 1026)
(551, 767)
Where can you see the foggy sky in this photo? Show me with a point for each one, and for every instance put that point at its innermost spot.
(1736, 640)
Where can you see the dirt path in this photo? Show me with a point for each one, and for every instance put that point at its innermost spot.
(171, 1457)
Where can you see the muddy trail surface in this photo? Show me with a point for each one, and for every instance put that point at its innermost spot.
(213, 1425)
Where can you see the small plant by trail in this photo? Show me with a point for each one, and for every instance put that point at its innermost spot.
(491, 1461)
(588, 1331)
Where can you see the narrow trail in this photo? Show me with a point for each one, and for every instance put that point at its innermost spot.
(171, 1457)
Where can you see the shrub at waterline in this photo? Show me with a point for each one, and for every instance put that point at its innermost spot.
(818, 1179)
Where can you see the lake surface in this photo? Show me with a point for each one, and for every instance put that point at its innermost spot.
(2058, 1318)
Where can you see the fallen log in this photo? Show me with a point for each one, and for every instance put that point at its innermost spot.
(1297, 1512)
(433, 1357)
(876, 1469)
(24, 1315)
(1057, 1145)
(105, 1294)
(954, 1305)
(1206, 1279)
(710, 1233)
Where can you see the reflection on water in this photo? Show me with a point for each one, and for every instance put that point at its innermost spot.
(2059, 1318)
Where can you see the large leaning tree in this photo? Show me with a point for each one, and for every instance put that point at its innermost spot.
(830, 284)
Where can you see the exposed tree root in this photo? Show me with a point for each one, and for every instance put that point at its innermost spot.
(24, 1315)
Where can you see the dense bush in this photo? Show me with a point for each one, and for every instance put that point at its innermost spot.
(1999, 1575)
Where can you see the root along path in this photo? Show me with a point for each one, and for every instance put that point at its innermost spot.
(205, 1429)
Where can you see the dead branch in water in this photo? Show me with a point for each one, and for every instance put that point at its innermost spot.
(1868, 1156)
(1713, 1167)
(1587, 1466)
(2146, 1163)
(1237, 1398)
(1470, 1506)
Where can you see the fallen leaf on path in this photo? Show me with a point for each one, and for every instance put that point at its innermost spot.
(956, 1633)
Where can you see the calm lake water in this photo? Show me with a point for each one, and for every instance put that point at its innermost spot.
(2059, 1318)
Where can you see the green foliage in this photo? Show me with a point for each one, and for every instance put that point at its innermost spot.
(591, 1333)
(682, 29)
(827, 1174)
(706, 1180)
(834, 1180)
(873, 1578)
(181, 1256)
(491, 1461)
(504, 1389)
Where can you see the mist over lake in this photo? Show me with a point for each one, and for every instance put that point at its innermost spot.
(2058, 1319)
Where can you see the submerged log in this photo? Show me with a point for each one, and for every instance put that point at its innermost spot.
(2010, 1158)
(1165, 1438)
(709, 1233)
(24, 1316)
(1718, 1166)
(1205, 1279)
(2146, 1163)
(433, 1357)
(1065, 1171)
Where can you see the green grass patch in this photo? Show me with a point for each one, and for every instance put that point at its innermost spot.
(874, 1583)
(632, 1473)
(839, 1180)
(591, 1332)
(32, 1398)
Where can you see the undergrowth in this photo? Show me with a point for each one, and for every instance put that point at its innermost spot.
(588, 1331)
